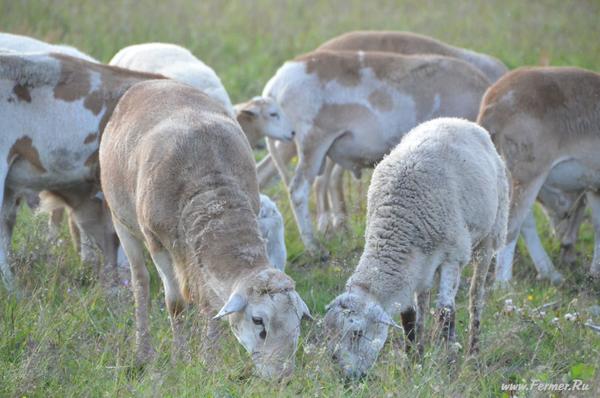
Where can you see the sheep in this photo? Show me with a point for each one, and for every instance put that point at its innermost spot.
(438, 200)
(174, 62)
(354, 107)
(54, 112)
(331, 212)
(24, 44)
(544, 122)
(271, 226)
(179, 177)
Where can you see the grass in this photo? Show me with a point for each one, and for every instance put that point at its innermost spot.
(66, 338)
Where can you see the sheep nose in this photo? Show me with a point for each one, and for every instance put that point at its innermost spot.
(293, 133)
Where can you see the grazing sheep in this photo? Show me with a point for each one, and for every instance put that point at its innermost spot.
(271, 226)
(174, 62)
(179, 177)
(437, 201)
(545, 122)
(354, 107)
(54, 111)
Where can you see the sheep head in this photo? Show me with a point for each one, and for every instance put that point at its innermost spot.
(265, 313)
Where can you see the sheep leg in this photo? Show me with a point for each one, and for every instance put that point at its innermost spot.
(568, 238)
(281, 153)
(483, 257)
(311, 157)
(96, 233)
(336, 197)
(504, 261)
(321, 186)
(422, 311)
(74, 233)
(409, 323)
(140, 283)
(8, 218)
(594, 201)
(176, 304)
(521, 203)
(54, 221)
(449, 282)
(540, 258)
(267, 168)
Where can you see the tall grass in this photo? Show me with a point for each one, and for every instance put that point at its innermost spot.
(68, 339)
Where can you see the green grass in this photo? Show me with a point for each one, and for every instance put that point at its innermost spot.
(66, 338)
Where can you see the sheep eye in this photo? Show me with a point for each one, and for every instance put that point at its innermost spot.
(263, 334)
(257, 320)
(274, 115)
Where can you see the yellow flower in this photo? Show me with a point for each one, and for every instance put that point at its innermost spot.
(530, 297)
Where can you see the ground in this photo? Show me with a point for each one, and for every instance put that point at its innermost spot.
(68, 338)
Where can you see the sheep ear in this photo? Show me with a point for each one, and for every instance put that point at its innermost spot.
(249, 112)
(303, 308)
(387, 320)
(236, 303)
(305, 311)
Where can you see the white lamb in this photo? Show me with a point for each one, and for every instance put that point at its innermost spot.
(271, 226)
(177, 63)
(439, 197)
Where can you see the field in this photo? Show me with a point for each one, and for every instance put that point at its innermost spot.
(67, 338)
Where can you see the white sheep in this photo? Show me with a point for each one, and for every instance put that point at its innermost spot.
(437, 201)
(271, 226)
(177, 63)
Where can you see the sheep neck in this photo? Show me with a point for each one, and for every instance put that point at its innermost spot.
(223, 239)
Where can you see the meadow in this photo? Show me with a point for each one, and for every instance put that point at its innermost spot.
(67, 338)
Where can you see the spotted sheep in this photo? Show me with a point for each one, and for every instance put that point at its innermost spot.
(90, 226)
(354, 107)
(195, 210)
(54, 110)
(331, 208)
(545, 123)
(437, 201)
